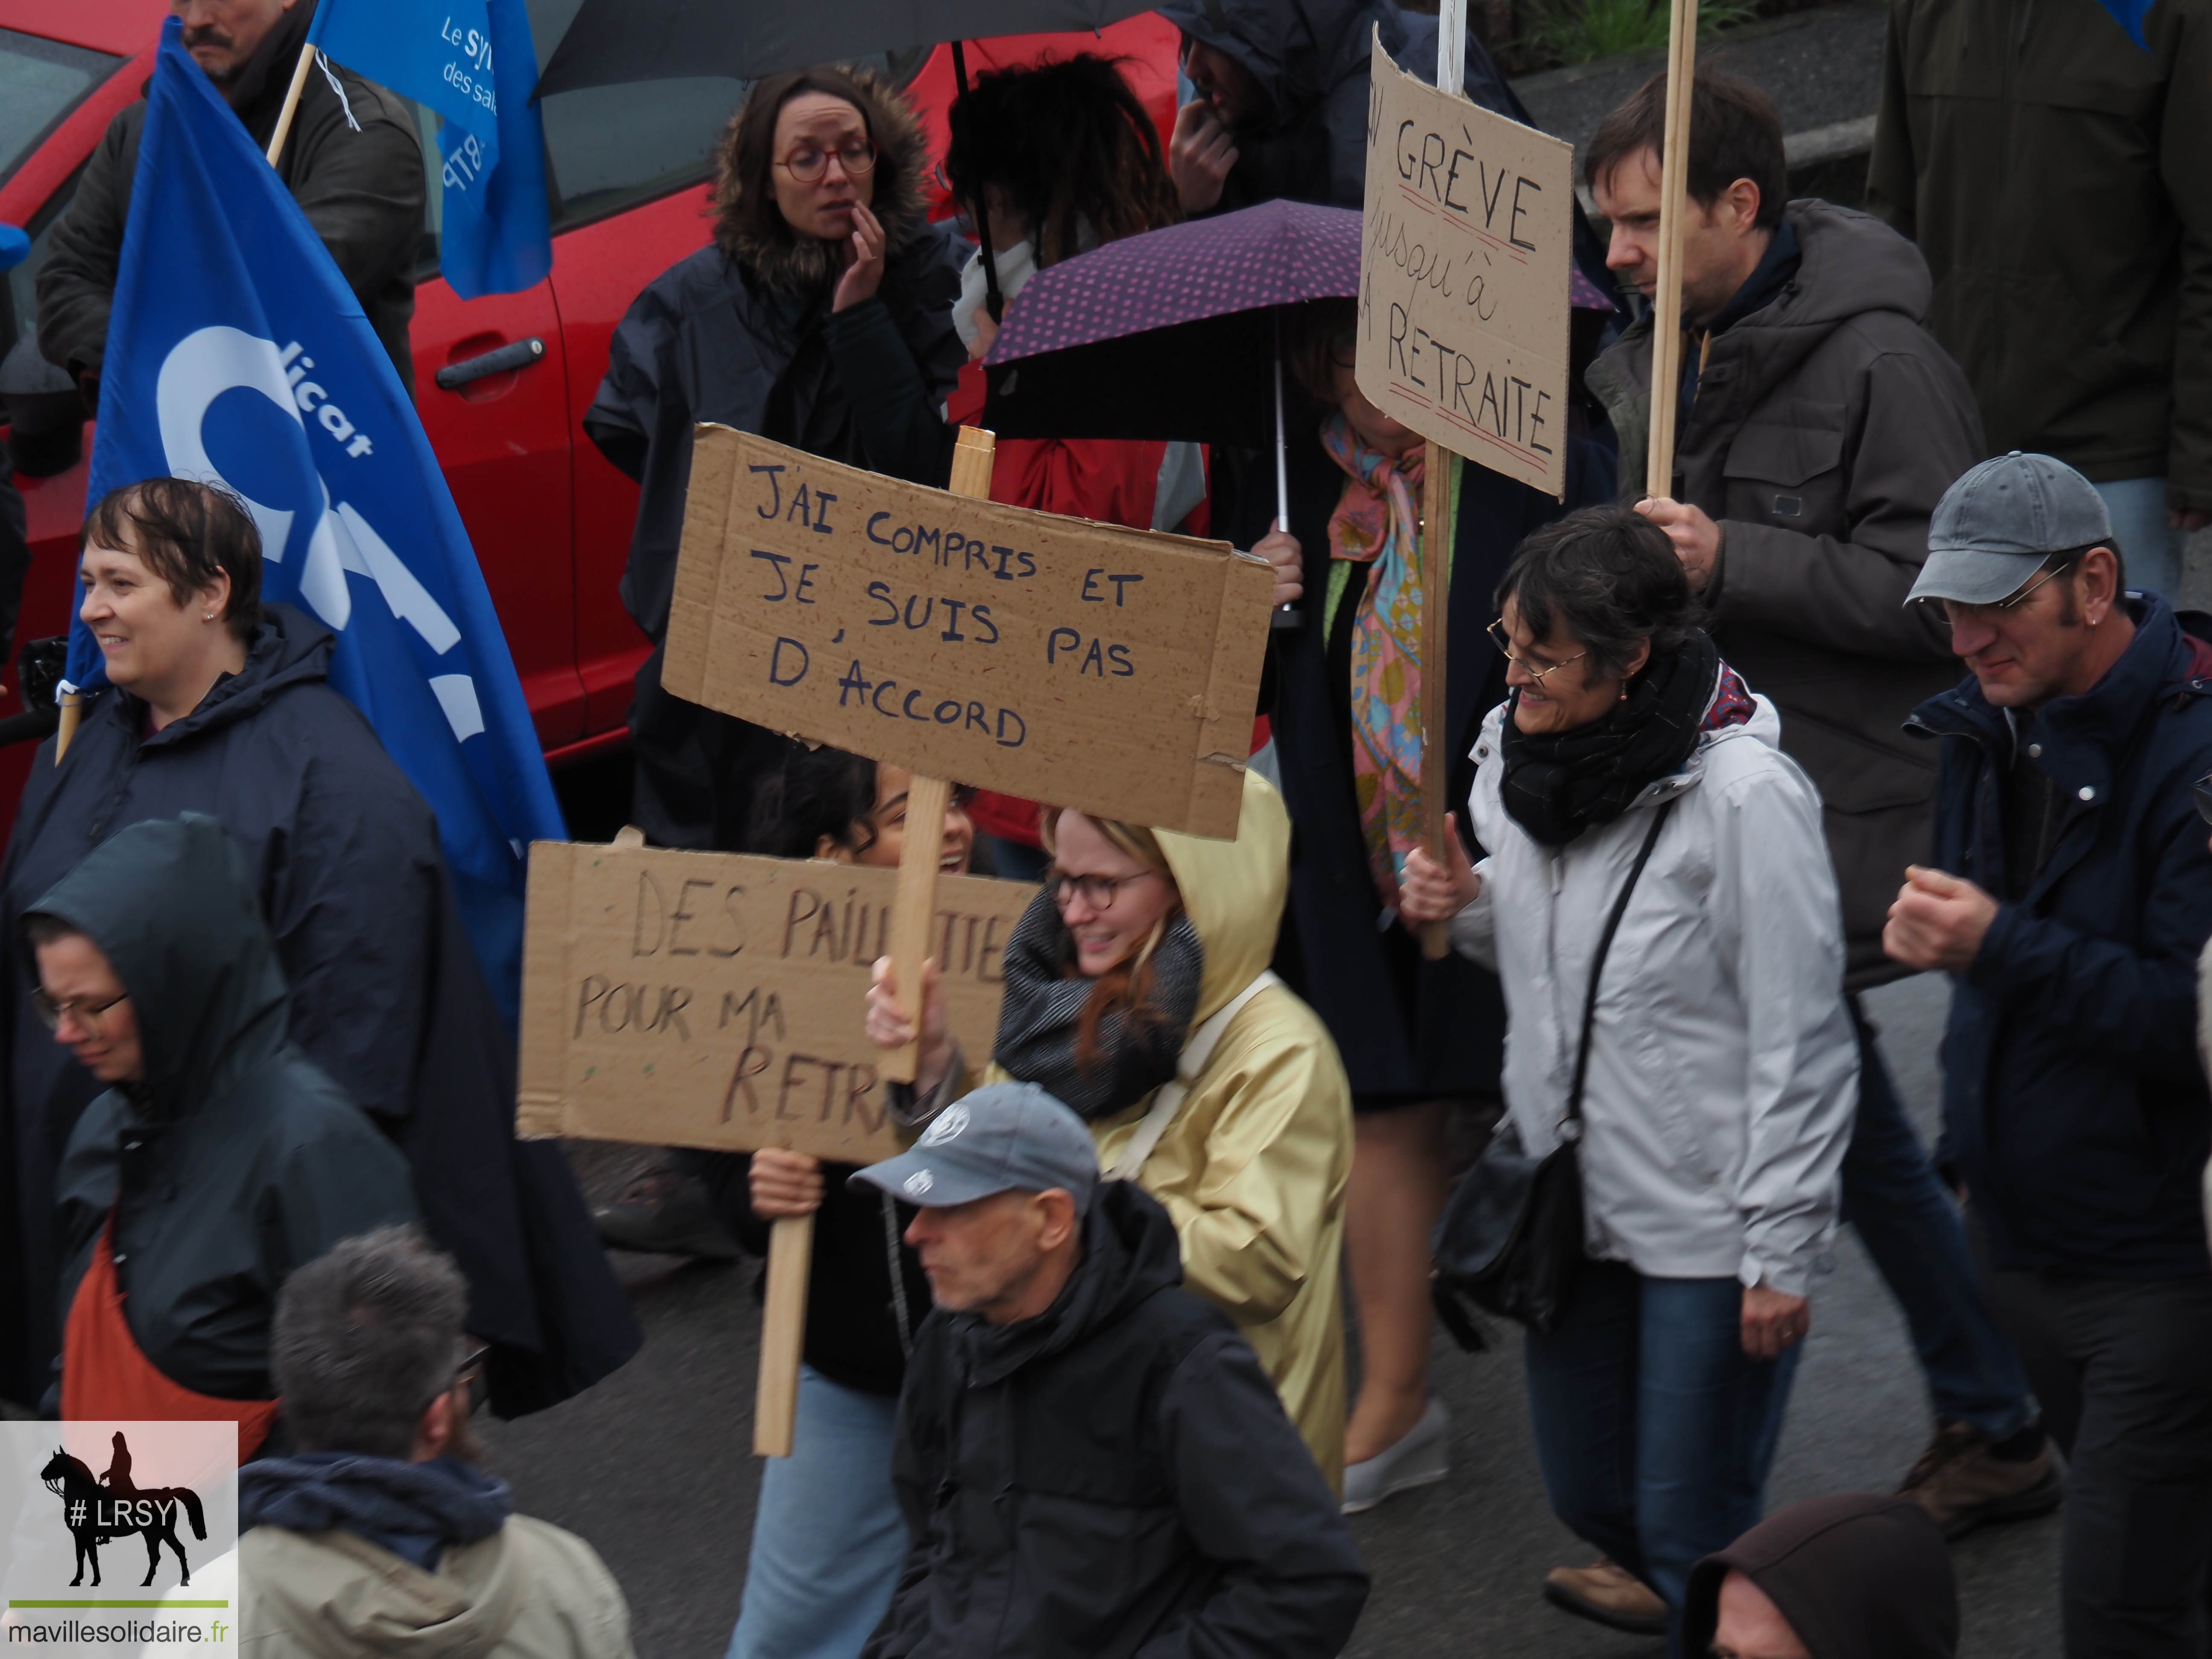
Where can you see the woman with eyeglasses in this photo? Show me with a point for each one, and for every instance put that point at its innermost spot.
(219, 1157)
(828, 1538)
(1419, 1039)
(1657, 900)
(820, 316)
(1138, 992)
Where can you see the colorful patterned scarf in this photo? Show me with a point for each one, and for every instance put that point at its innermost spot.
(1375, 523)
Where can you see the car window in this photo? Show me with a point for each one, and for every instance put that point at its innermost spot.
(611, 148)
(40, 82)
(19, 320)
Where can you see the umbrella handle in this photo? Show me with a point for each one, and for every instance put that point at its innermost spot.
(1287, 615)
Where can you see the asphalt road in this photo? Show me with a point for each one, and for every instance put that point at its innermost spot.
(653, 1465)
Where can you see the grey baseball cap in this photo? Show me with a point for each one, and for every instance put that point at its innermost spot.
(1004, 1138)
(1995, 527)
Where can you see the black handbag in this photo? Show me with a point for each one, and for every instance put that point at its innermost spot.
(1511, 1239)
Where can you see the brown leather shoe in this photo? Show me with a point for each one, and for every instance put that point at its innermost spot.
(1963, 1486)
(1609, 1594)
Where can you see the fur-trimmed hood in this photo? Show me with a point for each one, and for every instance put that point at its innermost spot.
(790, 263)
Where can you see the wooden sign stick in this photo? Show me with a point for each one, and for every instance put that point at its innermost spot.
(914, 909)
(1667, 305)
(1436, 625)
(1435, 566)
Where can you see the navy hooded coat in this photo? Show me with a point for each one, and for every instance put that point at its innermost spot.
(387, 997)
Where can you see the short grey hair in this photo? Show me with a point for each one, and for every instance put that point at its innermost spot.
(365, 1339)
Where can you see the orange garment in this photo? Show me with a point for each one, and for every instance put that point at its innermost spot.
(104, 1376)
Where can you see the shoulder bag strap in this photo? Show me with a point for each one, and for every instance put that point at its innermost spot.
(1597, 967)
(1169, 1098)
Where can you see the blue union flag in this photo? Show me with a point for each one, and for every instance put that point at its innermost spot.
(236, 353)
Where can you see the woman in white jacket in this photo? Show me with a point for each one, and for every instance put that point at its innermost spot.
(1722, 1068)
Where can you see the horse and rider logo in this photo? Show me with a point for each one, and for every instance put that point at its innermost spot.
(99, 1510)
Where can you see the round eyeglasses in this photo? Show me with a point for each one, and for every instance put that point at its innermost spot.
(1098, 892)
(807, 164)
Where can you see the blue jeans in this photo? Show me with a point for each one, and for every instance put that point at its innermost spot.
(1911, 1229)
(1654, 1428)
(828, 1538)
(2150, 547)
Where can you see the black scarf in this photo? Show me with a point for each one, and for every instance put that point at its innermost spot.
(1043, 1007)
(1559, 786)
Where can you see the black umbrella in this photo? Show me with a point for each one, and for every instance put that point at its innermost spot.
(612, 42)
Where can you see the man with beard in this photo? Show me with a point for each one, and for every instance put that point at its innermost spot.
(351, 161)
(382, 1533)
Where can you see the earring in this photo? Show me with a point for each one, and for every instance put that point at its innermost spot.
(209, 616)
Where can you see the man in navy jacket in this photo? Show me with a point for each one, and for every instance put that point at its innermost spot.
(2072, 894)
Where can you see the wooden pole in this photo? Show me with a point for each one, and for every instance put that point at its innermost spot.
(913, 912)
(1435, 566)
(1667, 304)
(1437, 479)
(292, 98)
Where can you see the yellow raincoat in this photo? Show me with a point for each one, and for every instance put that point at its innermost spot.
(1252, 1171)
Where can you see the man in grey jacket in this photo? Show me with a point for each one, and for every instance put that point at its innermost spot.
(351, 161)
(1818, 426)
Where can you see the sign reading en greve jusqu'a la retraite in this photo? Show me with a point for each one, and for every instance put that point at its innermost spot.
(118, 1539)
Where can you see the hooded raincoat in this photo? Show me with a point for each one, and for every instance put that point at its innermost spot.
(1723, 1069)
(1311, 57)
(1113, 1478)
(1251, 1170)
(385, 994)
(237, 1159)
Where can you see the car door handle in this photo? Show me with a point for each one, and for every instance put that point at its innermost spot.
(521, 354)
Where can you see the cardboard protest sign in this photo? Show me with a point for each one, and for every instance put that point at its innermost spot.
(1469, 228)
(714, 999)
(1110, 670)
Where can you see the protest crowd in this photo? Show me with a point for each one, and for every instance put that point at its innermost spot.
(1537, 1006)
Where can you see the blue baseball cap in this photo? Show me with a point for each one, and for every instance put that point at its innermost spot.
(1004, 1138)
(2000, 524)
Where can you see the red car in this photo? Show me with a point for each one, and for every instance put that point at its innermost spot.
(549, 519)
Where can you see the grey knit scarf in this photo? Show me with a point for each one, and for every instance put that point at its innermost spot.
(1043, 1007)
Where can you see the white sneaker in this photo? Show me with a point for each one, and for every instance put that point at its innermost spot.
(1421, 1458)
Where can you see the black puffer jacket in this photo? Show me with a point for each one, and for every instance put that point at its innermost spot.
(352, 162)
(386, 996)
(237, 1159)
(1113, 1478)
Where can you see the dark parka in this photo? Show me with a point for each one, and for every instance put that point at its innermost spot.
(237, 1159)
(741, 334)
(1311, 59)
(2075, 1107)
(1115, 1478)
(1826, 426)
(385, 994)
(2059, 179)
(352, 162)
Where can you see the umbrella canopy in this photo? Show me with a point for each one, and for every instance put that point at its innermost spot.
(615, 41)
(1167, 335)
(1171, 334)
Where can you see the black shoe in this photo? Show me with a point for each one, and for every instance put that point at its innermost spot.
(666, 1214)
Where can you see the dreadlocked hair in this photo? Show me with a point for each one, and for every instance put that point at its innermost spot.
(1126, 988)
(1069, 144)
